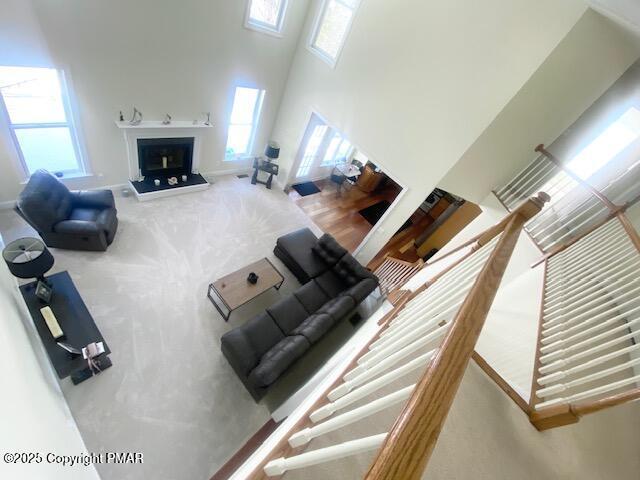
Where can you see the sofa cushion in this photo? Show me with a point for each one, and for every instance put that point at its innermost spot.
(362, 289)
(288, 313)
(314, 327)
(311, 296)
(295, 247)
(331, 283)
(328, 250)
(249, 342)
(338, 308)
(350, 271)
(273, 364)
(84, 214)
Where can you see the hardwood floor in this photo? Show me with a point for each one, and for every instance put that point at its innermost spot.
(339, 216)
(401, 245)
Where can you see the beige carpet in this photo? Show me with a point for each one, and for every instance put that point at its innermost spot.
(171, 394)
(487, 437)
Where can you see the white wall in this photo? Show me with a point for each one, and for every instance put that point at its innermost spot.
(33, 413)
(583, 66)
(181, 58)
(418, 82)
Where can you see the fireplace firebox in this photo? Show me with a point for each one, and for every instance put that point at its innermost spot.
(165, 157)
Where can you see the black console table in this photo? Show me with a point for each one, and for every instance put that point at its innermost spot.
(76, 322)
(260, 165)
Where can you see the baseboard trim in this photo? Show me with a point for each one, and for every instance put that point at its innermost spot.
(502, 383)
(245, 451)
(230, 171)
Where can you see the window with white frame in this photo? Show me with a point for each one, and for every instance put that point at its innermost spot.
(247, 103)
(266, 15)
(337, 150)
(332, 27)
(38, 112)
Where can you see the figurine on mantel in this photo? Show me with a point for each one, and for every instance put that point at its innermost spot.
(167, 119)
(136, 119)
(121, 117)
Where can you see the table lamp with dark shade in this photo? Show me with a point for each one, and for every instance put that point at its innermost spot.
(30, 258)
(272, 151)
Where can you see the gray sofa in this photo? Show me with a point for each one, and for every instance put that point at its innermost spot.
(84, 220)
(261, 350)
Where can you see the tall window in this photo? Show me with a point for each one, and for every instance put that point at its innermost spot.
(247, 103)
(322, 148)
(608, 163)
(36, 103)
(332, 27)
(337, 151)
(311, 150)
(266, 15)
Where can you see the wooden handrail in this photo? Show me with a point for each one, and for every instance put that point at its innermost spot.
(629, 228)
(597, 193)
(411, 440)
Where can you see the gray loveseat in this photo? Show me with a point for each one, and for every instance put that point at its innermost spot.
(82, 220)
(261, 350)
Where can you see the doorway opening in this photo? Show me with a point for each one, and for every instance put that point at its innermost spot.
(433, 224)
(338, 186)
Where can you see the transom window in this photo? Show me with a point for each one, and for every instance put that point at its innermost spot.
(332, 27)
(247, 104)
(266, 15)
(36, 104)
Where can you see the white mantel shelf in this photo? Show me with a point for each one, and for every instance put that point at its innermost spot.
(158, 124)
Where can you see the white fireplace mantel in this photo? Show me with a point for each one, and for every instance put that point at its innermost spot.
(156, 129)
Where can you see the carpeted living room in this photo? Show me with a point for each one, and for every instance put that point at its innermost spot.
(221, 240)
(171, 393)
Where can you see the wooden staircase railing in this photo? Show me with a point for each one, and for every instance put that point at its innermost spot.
(588, 356)
(433, 328)
(394, 273)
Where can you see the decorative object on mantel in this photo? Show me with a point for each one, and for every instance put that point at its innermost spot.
(172, 180)
(167, 119)
(136, 118)
(208, 121)
(121, 117)
(252, 278)
(30, 258)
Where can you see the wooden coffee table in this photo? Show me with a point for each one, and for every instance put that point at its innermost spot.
(233, 290)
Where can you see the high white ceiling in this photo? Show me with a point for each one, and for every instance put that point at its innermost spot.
(622, 11)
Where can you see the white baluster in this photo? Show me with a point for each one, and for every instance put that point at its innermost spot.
(306, 435)
(280, 466)
(585, 333)
(557, 376)
(555, 389)
(589, 341)
(348, 385)
(588, 393)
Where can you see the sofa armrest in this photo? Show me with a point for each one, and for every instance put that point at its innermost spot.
(362, 289)
(76, 227)
(239, 351)
(93, 199)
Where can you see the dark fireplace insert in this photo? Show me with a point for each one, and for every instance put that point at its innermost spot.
(165, 157)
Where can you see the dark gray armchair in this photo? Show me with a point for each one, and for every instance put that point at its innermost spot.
(84, 220)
